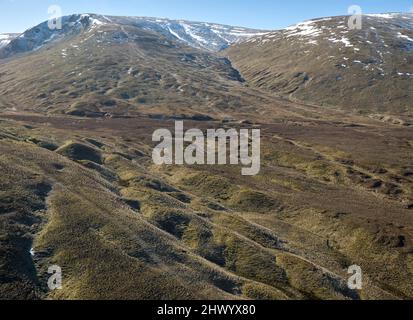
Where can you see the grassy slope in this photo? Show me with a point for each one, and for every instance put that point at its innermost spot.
(363, 77)
(125, 229)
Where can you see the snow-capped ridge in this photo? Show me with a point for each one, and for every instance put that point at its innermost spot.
(6, 38)
(37, 37)
(201, 35)
(335, 29)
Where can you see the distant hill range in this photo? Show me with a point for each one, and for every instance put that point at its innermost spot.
(98, 64)
(208, 36)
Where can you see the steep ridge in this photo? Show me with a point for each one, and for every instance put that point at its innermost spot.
(207, 36)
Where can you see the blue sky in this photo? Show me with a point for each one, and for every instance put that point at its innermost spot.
(18, 15)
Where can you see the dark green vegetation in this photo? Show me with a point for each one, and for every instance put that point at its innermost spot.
(79, 188)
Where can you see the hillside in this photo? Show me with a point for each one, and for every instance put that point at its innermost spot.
(121, 68)
(323, 62)
(6, 38)
(208, 36)
(79, 189)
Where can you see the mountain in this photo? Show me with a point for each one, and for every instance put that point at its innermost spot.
(97, 66)
(212, 37)
(79, 188)
(209, 36)
(325, 63)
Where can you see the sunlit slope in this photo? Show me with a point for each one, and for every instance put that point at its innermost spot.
(323, 62)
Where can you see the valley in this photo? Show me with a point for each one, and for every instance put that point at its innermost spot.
(79, 188)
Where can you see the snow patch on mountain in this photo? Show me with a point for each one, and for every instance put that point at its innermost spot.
(6, 38)
(384, 38)
(206, 36)
(94, 22)
(176, 35)
(343, 40)
(41, 35)
(304, 29)
(336, 31)
(402, 36)
(202, 35)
